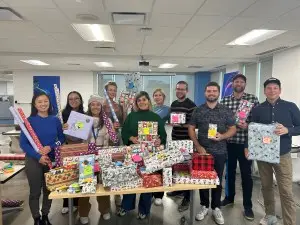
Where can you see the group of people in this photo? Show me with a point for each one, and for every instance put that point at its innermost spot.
(227, 147)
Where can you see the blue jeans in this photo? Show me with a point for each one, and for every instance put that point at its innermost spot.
(128, 202)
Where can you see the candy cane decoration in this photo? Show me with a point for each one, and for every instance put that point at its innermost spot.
(112, 134)
(30, 129)
(111, 106)
(57, 97)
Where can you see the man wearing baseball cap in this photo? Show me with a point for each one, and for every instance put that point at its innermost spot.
(235, 148)
(287, 115)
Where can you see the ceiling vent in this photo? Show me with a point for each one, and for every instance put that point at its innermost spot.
(272, 51)
(194, 67)
(87, 17)
(128, 18)
(73, 64)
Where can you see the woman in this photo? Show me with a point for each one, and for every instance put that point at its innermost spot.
(163, 111)
(49, 131)
(111, 89)
(74, 103)
(99, 135)
(130, 136)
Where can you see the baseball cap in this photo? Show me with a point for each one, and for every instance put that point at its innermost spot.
(239, 76)
(272, 80)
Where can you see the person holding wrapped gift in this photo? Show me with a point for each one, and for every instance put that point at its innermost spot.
(74, 103)
(130, 136)
(49, 131)
(215, 123)
(163, 111)
(287, 117)
(100, 136)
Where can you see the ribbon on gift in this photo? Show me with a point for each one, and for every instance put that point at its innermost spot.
(111, 131)
(110, 106)
(57, 97)
(30, 129)
(23, 128)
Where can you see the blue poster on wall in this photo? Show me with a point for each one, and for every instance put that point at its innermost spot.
(227, 83)
(44, 84)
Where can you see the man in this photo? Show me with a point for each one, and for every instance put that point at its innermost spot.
(235, 148)
(180, 132)
(212, 114)
(287, 115)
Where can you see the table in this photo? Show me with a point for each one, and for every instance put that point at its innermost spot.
(3, 179)
(12, 133)
(104, 192)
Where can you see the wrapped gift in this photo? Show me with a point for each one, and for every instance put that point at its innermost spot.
(128, 185)
(118, 157)
(181, 167)
(86, 168)
(112, 174)
(263, 143)
(89, 186)
(177, 118)
(109, 154)
(198, 174)
(162, 159)
(202, 162)
(243, 111)
(167, 176)
(185, 178)
(185, 146)
(59, 177)
(147, 128)
(152, 180)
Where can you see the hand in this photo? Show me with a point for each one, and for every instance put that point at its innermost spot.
(157, 142)
(45, 150)
(201, 150)
(219, 137)
(281, 130)
(243, 125)
(246, 152)
(134, 140)
(116, 125)
(44, 160)
(65, 126)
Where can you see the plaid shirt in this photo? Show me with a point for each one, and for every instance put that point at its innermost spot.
(232, 103)
(203, 162)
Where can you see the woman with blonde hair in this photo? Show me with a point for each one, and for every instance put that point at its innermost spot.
(159, 108)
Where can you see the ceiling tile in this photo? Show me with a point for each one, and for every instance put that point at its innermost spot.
(233, 52)
(33, 14)
(283, 23)
(169, 20)
(203, 48)
(165, 32)
(155, 46)
(181, 46)
(103, 17)
(270, 8)
(177, 6)
(53, 27)
(2, 4)
(224, 7)
(31, 3)
(129, 6)
(11, 29)
(84, 4)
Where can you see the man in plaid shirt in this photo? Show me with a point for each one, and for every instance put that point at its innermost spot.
(235, 147)
(205, 116)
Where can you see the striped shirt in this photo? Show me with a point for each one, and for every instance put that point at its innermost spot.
(187, 107)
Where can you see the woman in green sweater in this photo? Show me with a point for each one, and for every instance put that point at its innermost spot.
(130, 136)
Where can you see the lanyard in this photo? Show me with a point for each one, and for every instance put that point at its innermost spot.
(94, 134)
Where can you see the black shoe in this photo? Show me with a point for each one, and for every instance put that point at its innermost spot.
(45, 220)
(184, 205)
(38, 221)
(248, 214)
(175, 194)
(226, 202)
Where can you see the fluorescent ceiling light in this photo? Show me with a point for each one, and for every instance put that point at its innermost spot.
(35, 62)
(104, 64)
(167, 66)
(129, 18)
(256, 36)
(95, 32)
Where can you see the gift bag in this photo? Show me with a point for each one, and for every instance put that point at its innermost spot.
(203, 162)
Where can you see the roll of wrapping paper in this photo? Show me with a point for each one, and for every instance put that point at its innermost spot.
(30, 129)
(23, 128)
(57, 97)
(111, 132)
(111, 106)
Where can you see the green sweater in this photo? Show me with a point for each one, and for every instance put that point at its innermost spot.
(130, 126)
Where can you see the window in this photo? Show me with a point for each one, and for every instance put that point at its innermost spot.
(151, 83)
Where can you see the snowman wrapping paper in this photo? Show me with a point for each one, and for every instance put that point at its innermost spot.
(263, 143)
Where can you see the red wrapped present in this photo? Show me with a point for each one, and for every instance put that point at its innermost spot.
(181, 167)
(198, 174)
(152, 180)
(118, 157)
(202, 162)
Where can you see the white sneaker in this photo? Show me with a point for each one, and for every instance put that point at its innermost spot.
(64, 210)
(203, 212)
(268, 220)
(84, 220)
(158, 201)
(106, 216)
(218, 216)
